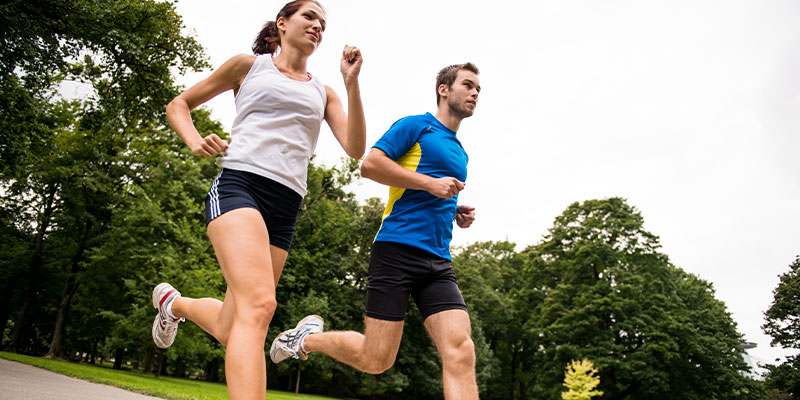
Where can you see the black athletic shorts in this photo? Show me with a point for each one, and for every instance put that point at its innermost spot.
(277, 203)
(397, 270)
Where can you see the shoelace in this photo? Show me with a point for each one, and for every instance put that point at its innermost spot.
(167, 323)
(291, 338)
(292, 342)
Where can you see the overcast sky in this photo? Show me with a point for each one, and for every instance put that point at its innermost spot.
(688, 109)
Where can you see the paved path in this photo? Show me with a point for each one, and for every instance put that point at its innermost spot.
(23, 382)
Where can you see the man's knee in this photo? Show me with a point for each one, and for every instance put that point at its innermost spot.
(377, 364)
(381, 341)
(460, 353)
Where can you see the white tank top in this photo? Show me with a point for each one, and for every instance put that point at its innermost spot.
(277, 125)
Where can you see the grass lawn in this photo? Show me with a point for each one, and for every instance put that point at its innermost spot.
(164, 387)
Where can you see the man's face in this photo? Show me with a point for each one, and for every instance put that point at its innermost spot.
(462, 97)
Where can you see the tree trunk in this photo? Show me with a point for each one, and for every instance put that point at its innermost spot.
(34, 271)
(20, 323)
(273, 378)
(57, 343)
(94, 352)
(212, 370)
(290, 381)
(5, 302)
(338, 383)
(148, 360)
(297, 383)
(179, 368)
(118, 354)
(162, 364)
(513, 371)
(629, 390)
(70, 288)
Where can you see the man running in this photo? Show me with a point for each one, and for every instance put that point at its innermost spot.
(424, 164)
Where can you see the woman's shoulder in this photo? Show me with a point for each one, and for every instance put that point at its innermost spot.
(236, 68)
(241, 61)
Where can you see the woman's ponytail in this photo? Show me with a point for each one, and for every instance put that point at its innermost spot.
(267, 40)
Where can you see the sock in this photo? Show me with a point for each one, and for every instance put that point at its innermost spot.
(302, 343)
(169, 308)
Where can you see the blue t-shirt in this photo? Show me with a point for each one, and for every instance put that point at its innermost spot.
(417, 218)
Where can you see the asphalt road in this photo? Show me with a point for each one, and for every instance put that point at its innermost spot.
(24, 382)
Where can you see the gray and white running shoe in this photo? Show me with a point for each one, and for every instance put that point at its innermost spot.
(289, 343)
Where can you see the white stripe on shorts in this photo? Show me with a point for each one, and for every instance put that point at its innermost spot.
(214, 197)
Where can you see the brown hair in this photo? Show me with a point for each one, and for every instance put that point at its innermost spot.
(268, 39)
(447, 76)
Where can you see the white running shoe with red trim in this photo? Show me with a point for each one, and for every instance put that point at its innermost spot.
(164, 327)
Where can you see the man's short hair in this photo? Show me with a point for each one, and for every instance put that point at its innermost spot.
(447, 76)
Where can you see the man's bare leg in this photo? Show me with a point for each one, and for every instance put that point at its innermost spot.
(372, 352)
(452, 334)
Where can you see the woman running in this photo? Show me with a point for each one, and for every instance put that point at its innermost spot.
(253, 203)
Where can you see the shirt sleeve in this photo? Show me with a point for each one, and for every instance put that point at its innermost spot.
(400, 137)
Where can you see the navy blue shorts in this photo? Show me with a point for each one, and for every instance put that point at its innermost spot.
(398, 270)
(277, 203)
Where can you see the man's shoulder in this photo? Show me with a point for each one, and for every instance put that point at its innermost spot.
(414, 120)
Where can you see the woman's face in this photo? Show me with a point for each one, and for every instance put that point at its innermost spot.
(304, 28)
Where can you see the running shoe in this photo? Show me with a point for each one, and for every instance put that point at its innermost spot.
(164, 327)
(290, 343)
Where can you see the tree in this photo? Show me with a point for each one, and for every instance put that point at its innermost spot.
(158, 234)
(33, 196)
(599, 289)
(783, 324)
(580, 379)
(126, 52)
(127, 49)
(12, 262)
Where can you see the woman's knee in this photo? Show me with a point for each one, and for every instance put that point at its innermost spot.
(256, 309)
(264, 308)
(222, 337)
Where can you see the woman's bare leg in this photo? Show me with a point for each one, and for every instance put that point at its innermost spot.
(241, 242)
(214, 316)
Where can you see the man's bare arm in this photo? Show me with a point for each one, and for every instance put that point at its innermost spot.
(382, 169)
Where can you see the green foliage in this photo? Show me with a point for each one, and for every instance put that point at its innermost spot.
(596, 287)
(782, 324)
(125, 48)
(158, 234)
(602, 291)
(782, 315)
(67, 163)
(580, 379)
